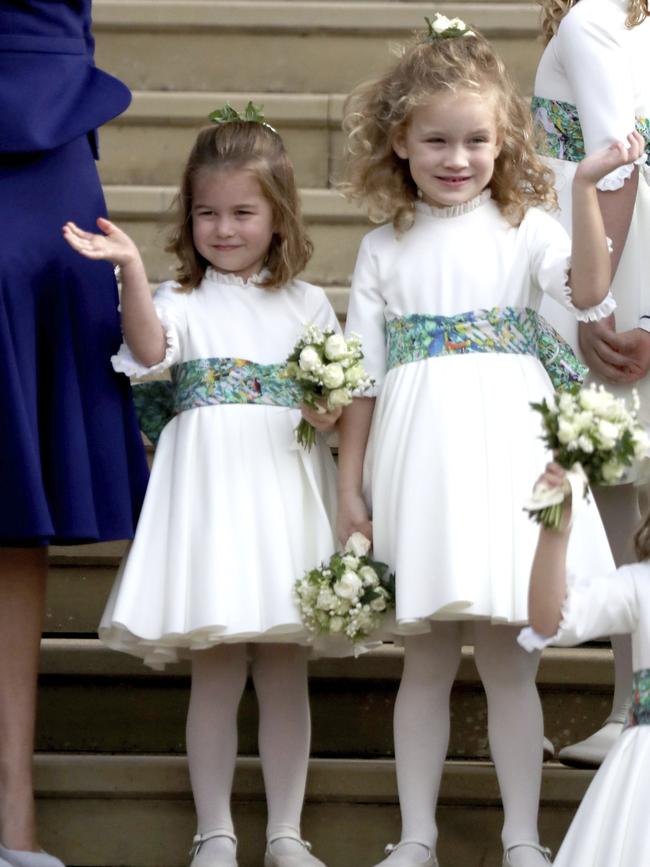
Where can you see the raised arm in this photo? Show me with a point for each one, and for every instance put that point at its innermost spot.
(142, 329)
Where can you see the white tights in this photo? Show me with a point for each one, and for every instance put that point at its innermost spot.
(279, 674)
(515, 732)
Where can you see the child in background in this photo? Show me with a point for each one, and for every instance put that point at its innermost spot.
(446, 296)
(235, 510)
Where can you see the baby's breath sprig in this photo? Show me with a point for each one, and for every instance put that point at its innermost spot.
(446, 28)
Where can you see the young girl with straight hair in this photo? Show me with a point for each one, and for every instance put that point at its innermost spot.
(446, 297)
(235, 510)
(592, 86)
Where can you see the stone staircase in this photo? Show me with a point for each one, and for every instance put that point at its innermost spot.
(112, 783)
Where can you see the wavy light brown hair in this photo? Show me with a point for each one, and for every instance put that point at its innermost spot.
(257, 148)
(377, 111)
(553, 11)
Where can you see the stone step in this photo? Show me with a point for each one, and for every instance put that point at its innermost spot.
(149, 144)
(336, 227)
(104, 811)
(121, 706)
(285, 46)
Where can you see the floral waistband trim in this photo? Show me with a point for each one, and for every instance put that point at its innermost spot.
(209, 381)
(559, 132)
(512, 330)
(639, 713)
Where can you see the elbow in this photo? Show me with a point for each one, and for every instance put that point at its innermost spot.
(543, 624)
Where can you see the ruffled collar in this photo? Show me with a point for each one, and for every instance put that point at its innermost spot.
(214, 276)
(454, 210)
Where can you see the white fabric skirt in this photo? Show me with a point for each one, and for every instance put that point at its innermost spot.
(235, 512)
(611, 827)
(454, 451)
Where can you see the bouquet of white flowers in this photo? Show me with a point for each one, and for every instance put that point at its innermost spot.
(592, 435)
(349, 595)
(327, 368)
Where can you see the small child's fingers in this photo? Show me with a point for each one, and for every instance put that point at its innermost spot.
(106, 226)
(77, 232)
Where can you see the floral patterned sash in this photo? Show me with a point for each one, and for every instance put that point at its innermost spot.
(208, 381)
(559, 132)
(639, 713)
(513, 330)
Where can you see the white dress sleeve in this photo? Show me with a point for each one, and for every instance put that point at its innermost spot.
(366, 315)
(170, 309)
(321, 312)
(600, 76)
(593, 608)
(549, 248)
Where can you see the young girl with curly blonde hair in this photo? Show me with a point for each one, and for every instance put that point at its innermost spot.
(445, 295)
(592, 85)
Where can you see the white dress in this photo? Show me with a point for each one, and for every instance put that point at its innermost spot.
(611, 827)
(235, 510)
(601, 67)
(454, 447)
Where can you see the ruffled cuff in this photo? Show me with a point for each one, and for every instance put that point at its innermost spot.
(590, 314)
(126, 363)
(615, 180)
(531, 640)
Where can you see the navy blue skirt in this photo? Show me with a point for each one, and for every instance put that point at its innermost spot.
(72, 465)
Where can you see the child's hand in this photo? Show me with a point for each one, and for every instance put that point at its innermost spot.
(352, 517)
(114, 245)
(322, 419)
(554, 476)
(602, 162)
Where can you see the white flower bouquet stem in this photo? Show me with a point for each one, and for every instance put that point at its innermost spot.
(594, 437)
(328, 369)
(348, 596)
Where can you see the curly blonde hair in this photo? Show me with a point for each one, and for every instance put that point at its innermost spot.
(376, 112)
(257, 148)
(553, 11)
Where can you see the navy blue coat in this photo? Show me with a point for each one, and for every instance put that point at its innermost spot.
(51, 92)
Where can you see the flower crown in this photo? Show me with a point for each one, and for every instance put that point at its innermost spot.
(446, 28)
(251, 114)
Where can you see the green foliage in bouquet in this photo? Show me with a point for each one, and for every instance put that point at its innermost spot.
(348, 596)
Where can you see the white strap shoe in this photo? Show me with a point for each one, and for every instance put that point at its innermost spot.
(430, 861)
(204, 860)
(546, 853)
(302, 858)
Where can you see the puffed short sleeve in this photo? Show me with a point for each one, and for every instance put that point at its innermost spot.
(366, 315)
(170, 309)
(593, 608)
(549, 250)
(600, 75)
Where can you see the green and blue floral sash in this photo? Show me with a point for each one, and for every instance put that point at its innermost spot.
(557, 126)
(639, 713)
(208, 381)
(513, 330)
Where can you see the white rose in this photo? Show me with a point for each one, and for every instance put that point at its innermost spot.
(457, 24)
(589, 398)
(366, 621)
(441, 23)
(309, 359)
(338, 397)
(342, 606)
(350, 562)
(368, 576)
(326, 600)
(378, 604)
(358, 545)
(348, 585)
(566, 431)
(336, 624)
(333, 375)
(612, 471)
(585, 444)
(608, 433)
(354, 375)
(566, 404)
(584, 420)
(335, 347)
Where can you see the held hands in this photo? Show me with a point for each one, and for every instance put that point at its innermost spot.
(617, 358)
(594, 167)
(114, 245)
(352, 517)
(322, 419)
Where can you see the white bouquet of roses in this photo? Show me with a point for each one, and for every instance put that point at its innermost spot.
(594, 437)
(328, 369)
(350, 595)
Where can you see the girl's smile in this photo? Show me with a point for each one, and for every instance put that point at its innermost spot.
(451, 143)
(232, 221)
